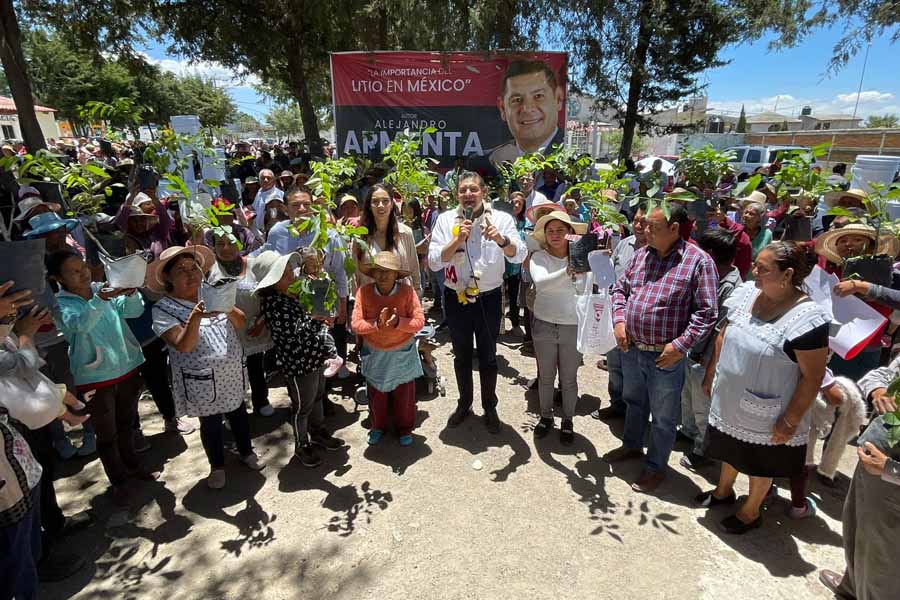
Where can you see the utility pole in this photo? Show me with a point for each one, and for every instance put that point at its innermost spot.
(861, 76)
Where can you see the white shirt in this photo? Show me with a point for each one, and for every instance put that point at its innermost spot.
(534, 196)
(263, 197)
(554, 301)
(484, 255)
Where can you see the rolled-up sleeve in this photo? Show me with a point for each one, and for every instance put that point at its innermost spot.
(507, 228)
(706, 306)
(879, 378)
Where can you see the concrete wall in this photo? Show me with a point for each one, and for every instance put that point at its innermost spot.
(45, 120)
(674, 142)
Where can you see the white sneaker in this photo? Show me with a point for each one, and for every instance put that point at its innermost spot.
(332, 366)
(216, 479)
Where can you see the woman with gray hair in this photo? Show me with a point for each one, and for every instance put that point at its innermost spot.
(753, 217)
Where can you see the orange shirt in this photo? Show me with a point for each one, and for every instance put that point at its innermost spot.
(368, 306)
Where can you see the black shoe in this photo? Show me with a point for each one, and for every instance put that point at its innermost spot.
(543, 427)
(328, 407)
(706, 499)
(325, 440)
(567, 432)
(458, 416)
(59, 565)
(608, 413)
(735, 526)
(308, 456)
(492, 421)
(77, 522)
(694, 461)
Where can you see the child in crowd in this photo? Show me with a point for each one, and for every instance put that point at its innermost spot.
(302, 350)
(105, 359)
(387, 316)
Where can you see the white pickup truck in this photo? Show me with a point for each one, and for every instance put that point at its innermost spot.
(749, 158)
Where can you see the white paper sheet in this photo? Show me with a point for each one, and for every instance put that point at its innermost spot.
(854, 321)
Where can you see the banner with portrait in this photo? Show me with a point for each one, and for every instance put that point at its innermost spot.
(487, 107)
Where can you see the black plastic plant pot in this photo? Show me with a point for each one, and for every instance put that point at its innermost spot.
(874, 269)
(319, 293)
(797, 229)
(579, 250)
(23, 262)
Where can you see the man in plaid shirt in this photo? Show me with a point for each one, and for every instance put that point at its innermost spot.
(663, 304)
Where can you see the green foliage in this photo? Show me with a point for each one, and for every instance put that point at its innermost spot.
(120, 112)
(286, 120)
(329, 176)
(742, 122)
(209, 219)
(704, 167)
(887, 120)
(526, 166)
(613, 141)
(595, 193)
(411, 175)
(797, 171)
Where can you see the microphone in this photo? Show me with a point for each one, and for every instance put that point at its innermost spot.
(467, 214)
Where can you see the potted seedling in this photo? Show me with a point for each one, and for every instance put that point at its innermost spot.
(799, 183)
(601, 197)
(704, 168)
(884, 431)
(874, 267)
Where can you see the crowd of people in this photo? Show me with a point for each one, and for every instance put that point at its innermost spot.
(716, 338)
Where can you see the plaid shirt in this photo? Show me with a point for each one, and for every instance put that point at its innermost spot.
(669, 299)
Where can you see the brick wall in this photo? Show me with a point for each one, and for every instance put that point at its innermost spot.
(846, 144)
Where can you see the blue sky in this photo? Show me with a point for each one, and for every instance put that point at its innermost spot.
(755, 78)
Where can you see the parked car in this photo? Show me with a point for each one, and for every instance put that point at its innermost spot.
(749, 158)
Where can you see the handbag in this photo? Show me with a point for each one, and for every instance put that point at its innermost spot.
(34, 401)
(595, 325)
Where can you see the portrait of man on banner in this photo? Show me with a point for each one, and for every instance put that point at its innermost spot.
(530, 102)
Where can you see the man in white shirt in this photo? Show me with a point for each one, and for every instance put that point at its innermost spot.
(471, 245)
(268, 192)
(526, 186)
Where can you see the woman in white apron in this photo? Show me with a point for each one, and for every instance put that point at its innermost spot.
(205, 354)
(768, 367)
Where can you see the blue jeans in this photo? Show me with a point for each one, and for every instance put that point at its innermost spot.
(648, 391)
(20, 551)
(616, 381)
(695, 405)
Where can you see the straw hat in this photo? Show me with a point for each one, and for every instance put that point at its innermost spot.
(542, 202)
(348, 198)
(826, 244)
(27, 206)
(268, 268)
(155, 279)
(579, 227)
(389, 262)
(832, 198)
(755, 197)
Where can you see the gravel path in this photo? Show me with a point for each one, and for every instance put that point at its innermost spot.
(461, 514)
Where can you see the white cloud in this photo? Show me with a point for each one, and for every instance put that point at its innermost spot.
(869, 96)
(871, 102)
(205, 69)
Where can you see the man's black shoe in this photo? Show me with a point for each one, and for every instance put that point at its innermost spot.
(458, 416)
(608, 413)
(543, 427)
(59, 565)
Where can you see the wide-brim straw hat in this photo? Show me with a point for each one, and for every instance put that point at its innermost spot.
(832, 198)
(579, 227)
(268, 268)
(156, 280)
(826, 244)
(389, 262)
(542, 203)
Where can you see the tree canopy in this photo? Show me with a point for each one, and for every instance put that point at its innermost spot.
(888, 120)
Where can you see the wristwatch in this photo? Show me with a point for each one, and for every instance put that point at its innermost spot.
(505, 242)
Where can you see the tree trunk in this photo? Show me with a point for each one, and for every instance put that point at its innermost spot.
(297, 73)
(636, 82)
(17, 76)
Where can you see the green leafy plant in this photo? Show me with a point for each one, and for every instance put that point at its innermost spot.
(121, 112)
(704, 167)
(596, 194)
(797, 173)
(209, 219)
(891, 420)
(411, 175)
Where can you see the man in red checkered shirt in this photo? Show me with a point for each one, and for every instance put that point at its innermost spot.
(663, 304)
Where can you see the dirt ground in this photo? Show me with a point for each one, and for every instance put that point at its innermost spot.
(460, 514)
